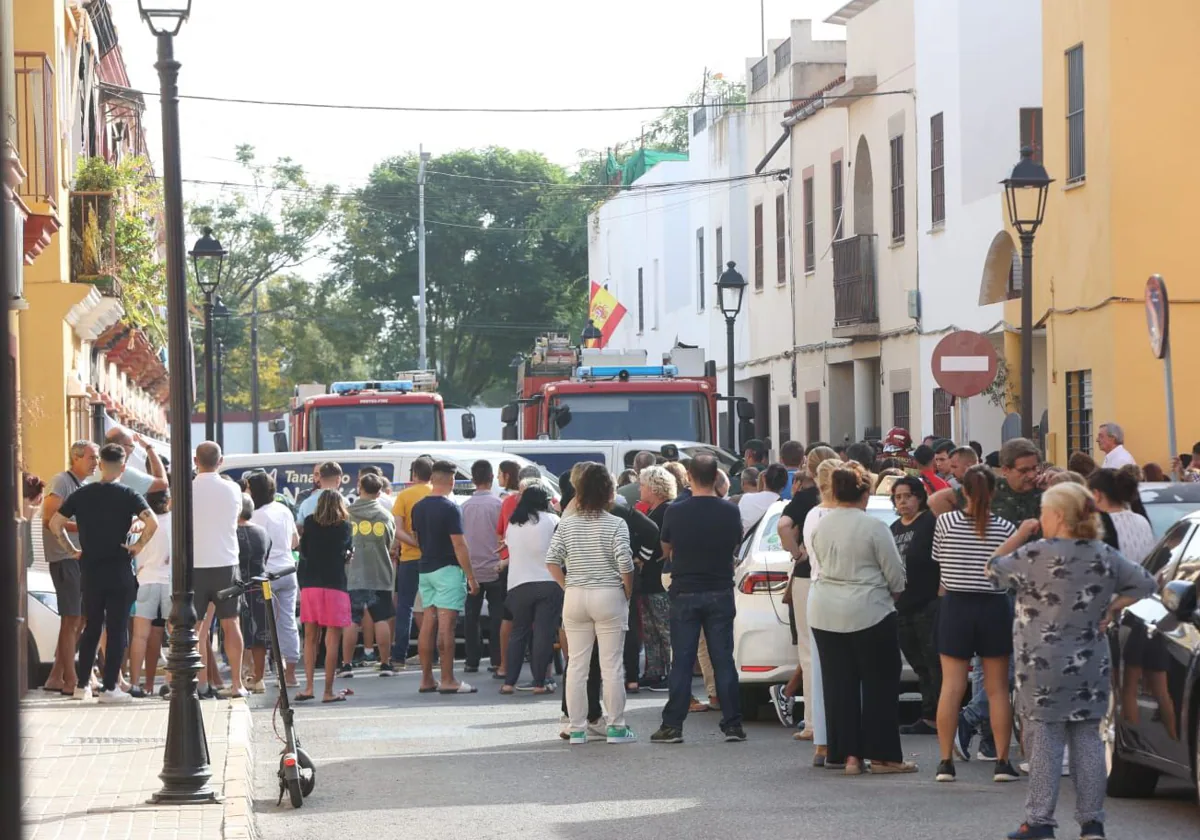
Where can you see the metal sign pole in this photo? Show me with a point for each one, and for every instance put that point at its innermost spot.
(1173, 452)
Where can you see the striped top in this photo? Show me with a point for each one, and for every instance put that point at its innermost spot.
(962, 555)
(592, 548)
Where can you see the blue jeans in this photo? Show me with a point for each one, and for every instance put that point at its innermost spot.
(713, 612)
(407, 584)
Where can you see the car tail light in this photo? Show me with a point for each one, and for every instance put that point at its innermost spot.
(763, 582)
(758, 669)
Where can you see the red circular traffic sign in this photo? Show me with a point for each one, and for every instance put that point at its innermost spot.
(1157, 311)
(964, 363)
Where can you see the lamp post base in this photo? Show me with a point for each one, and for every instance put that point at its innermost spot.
(186, 765)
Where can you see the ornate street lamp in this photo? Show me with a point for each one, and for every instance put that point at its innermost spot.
(1025, 191)
(186, 769)
(208, 258)
(731, 286)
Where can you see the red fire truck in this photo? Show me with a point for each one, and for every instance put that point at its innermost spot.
(346, 415)
(571, 393)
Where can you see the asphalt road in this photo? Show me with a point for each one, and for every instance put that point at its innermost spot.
(395, 764)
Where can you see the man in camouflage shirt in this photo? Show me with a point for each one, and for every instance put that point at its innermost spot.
(1017, 496)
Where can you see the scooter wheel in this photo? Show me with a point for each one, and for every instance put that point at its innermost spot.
(308, 772)
(294, 793)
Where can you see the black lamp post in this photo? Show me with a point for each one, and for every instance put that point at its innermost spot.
(222, 313)
(590, 333)
(208, 257)
(1026, 190)
(730, 288)
(186, 770)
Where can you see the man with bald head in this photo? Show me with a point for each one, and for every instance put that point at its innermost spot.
(142, 483)
(216, 505)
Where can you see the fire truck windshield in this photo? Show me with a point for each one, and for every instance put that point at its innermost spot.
(339, 426)
(646, 416)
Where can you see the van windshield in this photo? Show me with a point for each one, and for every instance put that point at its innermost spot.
(642, 416)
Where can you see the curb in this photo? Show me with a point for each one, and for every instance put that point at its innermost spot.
(238, 821)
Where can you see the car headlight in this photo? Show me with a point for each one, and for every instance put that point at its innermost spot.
(49, 600)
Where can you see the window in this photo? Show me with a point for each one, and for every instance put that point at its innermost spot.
(783, 56)
(758, 75)
(937, 168)
(898, 188)
(900, 412)
(1076, 160)
(810, 236)
(654, 296)
(1014, 276)
(836, 190)
(1079, 411)
(942, 402)
(1168, 551)
(1031, 131)
(813, 409)
(641, 304)
(785, 424)
(780, 240)
(700, 268)
(720, 251)
(758, 246)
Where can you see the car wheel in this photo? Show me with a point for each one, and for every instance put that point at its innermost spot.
(753, 696)
(1125, 779)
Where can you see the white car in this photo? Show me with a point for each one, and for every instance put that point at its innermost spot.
(42, 625)
(762, 638)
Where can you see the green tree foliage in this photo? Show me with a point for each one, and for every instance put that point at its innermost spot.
(672, 129)
(506, 258)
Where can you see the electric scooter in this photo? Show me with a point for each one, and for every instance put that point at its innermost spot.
(297, 773)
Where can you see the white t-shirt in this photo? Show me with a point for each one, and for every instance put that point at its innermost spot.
(754, 506)
(277, 521)
(216, 503)
(1118, 458)
(1135, 537)
(154, 561)
(810, 527)
(527, 547)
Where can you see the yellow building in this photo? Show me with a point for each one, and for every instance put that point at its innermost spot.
(80, 364)
(1118, 136)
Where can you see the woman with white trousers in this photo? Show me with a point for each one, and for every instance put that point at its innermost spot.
(280, 525)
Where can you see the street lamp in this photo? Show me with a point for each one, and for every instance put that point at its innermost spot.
(730, 288)
(1026, 190)
(220, 312)
(186, 769)
(590, 333)
(208, 258)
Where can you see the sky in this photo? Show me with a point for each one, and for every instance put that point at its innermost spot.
(460, 53)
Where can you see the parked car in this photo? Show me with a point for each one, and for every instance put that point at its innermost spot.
(1167, 502)
(1153, 723)
(42, 625)
(762, 639)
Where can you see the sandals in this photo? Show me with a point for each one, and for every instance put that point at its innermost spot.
(507, 690)
(879, 768)
(300, 698)
(463, 688)
(698, 706)
(337, 698)
(427, 689)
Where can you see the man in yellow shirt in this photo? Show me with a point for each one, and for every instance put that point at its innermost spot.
(408, 552)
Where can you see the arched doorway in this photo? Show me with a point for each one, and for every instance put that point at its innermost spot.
(1001, 271)
(864, 190)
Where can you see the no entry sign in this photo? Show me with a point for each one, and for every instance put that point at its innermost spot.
(964, 363)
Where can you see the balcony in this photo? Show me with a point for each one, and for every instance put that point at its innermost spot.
(36, 138)
(94, 240)
(855, 287)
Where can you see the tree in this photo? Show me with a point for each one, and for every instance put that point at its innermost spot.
(506, 259)
(671, 131)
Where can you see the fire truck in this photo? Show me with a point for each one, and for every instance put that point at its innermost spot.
(570, 393)
(346, 414)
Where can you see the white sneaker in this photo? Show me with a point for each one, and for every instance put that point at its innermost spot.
(1066, 767)
(84, 693)
(115, 696)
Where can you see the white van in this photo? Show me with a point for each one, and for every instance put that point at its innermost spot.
(558, 456)
(293, 471)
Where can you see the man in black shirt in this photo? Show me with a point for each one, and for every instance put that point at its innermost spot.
(700, 536)
(104, 513)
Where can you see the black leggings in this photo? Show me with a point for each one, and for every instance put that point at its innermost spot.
(107, 598)
(861, 676)
(593, 688)
(536, 611)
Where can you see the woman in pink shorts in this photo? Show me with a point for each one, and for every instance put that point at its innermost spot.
(325, 546)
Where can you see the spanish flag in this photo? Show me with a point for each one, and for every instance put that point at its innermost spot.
(605, 312)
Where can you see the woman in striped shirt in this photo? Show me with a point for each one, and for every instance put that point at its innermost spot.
(975, 618)
(590, 557)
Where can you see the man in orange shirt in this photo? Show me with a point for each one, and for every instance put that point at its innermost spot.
(407, 552)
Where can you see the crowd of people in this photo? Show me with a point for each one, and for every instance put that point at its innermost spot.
(999, 573)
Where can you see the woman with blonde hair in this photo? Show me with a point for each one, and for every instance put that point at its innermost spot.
(1069, 586)
(652, 607)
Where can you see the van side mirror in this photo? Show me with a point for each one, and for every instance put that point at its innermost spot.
(745, 411)
(509, 432)
(745, 432)
(1179, 597)
(276, 425)
(510, 414)
(468, 426)
(281, 442)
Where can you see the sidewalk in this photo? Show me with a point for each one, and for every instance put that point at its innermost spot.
(89, 771)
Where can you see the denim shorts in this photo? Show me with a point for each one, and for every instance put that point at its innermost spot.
(377, 602)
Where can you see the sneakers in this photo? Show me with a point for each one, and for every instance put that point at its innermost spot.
(1032, 832)
(918, 728)
(962, 739)
(1004, 772)
(987, 749)
(138, 693)
(945, 771)
(577, 739)
(735, 733)
(526, 686)
(1093, 830)
(387, 669)
(620, 735)
(654, 684)
(346, 670)
(115, 696)
(667, 735)
(784, 706)
(84, 693)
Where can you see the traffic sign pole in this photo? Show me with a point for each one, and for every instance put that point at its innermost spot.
(1158, 324)
(1170, 406)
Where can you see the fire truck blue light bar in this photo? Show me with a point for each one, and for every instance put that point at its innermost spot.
(398, 386)
(608, 371)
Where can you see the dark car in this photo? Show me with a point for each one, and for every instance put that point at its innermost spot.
(1153, 724)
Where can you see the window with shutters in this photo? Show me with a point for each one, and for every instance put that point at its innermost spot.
(900, 411)
(836, 191)
(758, 246)
(1076, 158)
(780, 240)
(810, 235)
(942, 414)
(1014, 276)
(700, 269)
(641, 304)
(720, 243)
(785, 424)
(1031, 131)
(898, 188)
(1079, 411)
(813, 410)
(937, 170)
